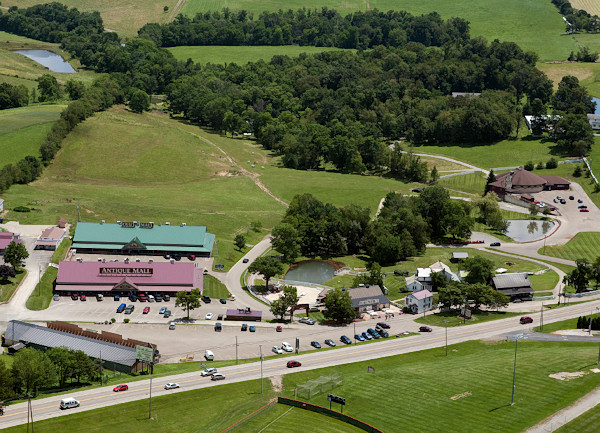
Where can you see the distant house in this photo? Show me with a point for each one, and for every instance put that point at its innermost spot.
(465, 94)
(368, 297)
(423, 276)
(50, 239)
(462, 275)
(62, 223)
(548, 120)
(6, 238)
(521, 181)
(445, 269)
(412, 284)
(594, 120)
(514, 285)
(420, 301)
(1, 204)
(422, 279)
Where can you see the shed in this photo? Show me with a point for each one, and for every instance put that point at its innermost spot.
(62, 223)
(244, 314)
(515, 285)
(460, 256)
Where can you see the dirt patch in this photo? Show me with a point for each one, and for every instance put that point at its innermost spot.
(564, 375)
(461, 395)
(277, 383)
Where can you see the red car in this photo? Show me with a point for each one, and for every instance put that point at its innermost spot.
(192, 257)
(526, 319)
(118, 388)
(146, 310)
(74, 296)
(292, 364)
(279, 329)
(82, 297)
(583, 209)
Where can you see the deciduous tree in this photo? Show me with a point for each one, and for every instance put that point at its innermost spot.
(31, 369)
(15, 254)
(338, 306)
(188, 300)
(239, 241)
(268, 266)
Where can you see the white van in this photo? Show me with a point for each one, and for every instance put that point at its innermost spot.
(209, 355)
(69, 402)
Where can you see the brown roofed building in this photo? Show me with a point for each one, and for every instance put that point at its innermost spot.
(521, 181)
(62, 223)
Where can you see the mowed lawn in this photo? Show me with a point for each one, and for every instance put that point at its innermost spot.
(472, 183)
(587, 422)
(535, 25)
(241, 55)
(23, 129)
(583, 245)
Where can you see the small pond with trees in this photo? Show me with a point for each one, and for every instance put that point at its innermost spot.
(51, 60)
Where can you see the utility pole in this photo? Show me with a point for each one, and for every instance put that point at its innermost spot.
(590, 327)
(354, 332)
(101, 382)
(39, 279)
(542, 318)
(261, 376)
(512, 398)
(150, 399)
(446, 327)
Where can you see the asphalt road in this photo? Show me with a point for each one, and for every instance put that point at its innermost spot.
(102, 397)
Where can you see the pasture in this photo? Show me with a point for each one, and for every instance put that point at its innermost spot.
(587, 73)
(241, 55)
(23, 129)
(582, 245)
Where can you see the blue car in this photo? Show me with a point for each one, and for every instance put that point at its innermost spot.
(359, 337)
(116, 297)
(345, 340)
(252, 328)
(120, 308)
(367, 336)
(373, 333)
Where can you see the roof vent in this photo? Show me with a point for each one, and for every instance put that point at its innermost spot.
(366, 285)
(119, 222)
(102, 222)
(167, 223)
(172, 261)
(183, 224)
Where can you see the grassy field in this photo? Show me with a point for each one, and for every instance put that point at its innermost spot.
(587, 422)
(241, 55)
(23, 129)
(124, 17)
(582, 245)
(214, 288)
(450, 319)
(544, 282)
(472, 183)
(41, 296)
(557, 326)
(587, 73)
(6, 290)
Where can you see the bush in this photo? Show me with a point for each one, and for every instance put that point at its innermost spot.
(22, 209)
(125, 320)
(528, 166)
(113, 320)
(577, 172)
(540, 166)
(552, 163)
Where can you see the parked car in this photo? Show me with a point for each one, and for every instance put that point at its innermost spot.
(555, 200)
(223, 301)
(56, 298)
(277, 350)
(129, 309)
(162, 310)
(191, 257)
(330, 342)
(150, 298)
(218, 327)
(374, 333)
(208, 316)
(171, 385)
(287, 347)
(315, 344)
(122, 387)
(252, 328)
(279, 328)
(220, 317)
(132, 298)
(167, 298)
(571, 197)
(562, 201)
(142, 297)
(245, 261)
(83, 298)
(171, 325)
(367, 336)
(292, 364)
(117, 298)
(177, 257)
(146, 310)
(495, 244)
(208, 372)
(384, 333)
(582, 206)
(167, 314)
(244, 327)
(579, 200)
(74, 296)
(383, 325)
(584, 209)
(158, 297)
(345, 340)
(359, 337)
(307, 320)
(167, 256)
(217, 376)
(206, 299)
(525, 319)
(425, 329)
(120, 308)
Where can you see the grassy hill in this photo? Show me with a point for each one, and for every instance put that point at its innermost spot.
(23, 129)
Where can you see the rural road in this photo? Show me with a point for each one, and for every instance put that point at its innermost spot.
(101, 397)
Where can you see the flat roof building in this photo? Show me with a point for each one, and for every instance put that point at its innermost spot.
(143, 238)
(127, 278)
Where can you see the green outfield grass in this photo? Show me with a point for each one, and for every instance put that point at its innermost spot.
(241, 55)
(41, 296)
(451, 319)
(582, 245)
(7, 288)
(23, 129)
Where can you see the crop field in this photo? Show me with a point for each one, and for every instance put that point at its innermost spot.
(590, 6)
(23, 129)
(125, 17)
(241, 55)
(587, 73)
(583, 245)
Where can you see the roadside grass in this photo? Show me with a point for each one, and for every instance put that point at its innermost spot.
(214, 288)
(450, 319)
(472, 183)
(227, 254)
(23, 129)
(241, 54)
(544, 282)
(565, 268)
(41, 296)
(125, 17)
(8, 288)
(557, 326)
(504, 153)
(582, 245)
(61, 252)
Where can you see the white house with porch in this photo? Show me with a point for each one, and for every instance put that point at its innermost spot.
(419, 302)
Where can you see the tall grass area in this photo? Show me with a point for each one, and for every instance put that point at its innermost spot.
(241, 55)
(41, 296)
(581, 246)
(8, 287)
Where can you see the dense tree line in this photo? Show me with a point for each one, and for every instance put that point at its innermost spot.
(578, 18)
(322, 28)
(584, 272)
(50, 22)
(402, 228)
(13, 96)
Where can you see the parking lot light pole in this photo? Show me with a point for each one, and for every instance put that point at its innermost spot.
(354, 332)
(236, 351)
(261, 377)
(446, 328)
(542, 318)
(512, 398)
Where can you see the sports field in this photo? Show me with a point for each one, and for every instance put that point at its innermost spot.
(241, 55)
(23, 129)
(583, 245)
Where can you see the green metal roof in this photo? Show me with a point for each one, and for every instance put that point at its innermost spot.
(160, 237)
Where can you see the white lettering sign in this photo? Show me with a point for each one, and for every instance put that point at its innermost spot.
(140, 272)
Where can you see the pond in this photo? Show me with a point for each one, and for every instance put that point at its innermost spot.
(529, 230)
(51, 60)
(311, 271)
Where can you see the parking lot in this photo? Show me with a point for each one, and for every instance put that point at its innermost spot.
(570, 211)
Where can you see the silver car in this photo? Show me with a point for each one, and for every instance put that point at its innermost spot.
(208, 372)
